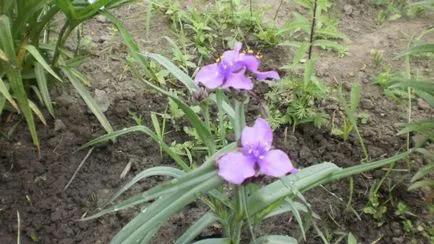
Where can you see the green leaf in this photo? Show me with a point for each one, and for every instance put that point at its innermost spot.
(35, 53)
(212, 241)
(41, 79)
(422, 183)
(275, 239)
(38, 112)
(14, 77)
(354, 101)
(5, 92)
(175, 71)
(297, 216)
(422, 172)
(195, 229)
(3, 56)
(159, 211)
(160, 171)
(92, 105)
(351, 239)
(424, 48)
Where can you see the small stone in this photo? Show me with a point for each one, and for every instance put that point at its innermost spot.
(382, 114)
(102, 100)
(348, 9)
(352, 74)
(101, 19)
(59, 125)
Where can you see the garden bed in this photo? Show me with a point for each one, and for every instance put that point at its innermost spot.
(33, 184)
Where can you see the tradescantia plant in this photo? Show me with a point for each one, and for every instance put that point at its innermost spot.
(31, 64)
(228, 179)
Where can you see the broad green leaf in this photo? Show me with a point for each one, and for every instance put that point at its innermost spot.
(275, 239)
(5, 92)
(308, 178)
(195, 229)
(304, 179)
(35, 53)
(41, 79)
(92, 105)
(143, 129)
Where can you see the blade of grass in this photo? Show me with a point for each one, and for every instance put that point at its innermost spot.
(41, 79)
(92, 105)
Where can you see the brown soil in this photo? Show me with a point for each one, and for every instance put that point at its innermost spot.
(33, 184)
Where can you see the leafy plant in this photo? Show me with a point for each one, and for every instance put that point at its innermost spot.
(236, 207)
(350, 120)
(30, 65)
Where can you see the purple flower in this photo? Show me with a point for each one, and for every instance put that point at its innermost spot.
(256, 155)
(231, 71)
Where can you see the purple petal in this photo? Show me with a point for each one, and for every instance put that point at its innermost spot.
(236, 167)
(231, 57)
(275, 163)
(249, 61)
(260, 135)
(210, 76)
(267, 75)
(238, 81)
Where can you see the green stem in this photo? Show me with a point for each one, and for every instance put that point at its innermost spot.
(64, 33)
(362, 144)
(237, 217)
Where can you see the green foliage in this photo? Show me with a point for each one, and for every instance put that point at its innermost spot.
(395, 9)
(351, 118)
(292, 102)
(375, 207)
(30, 62)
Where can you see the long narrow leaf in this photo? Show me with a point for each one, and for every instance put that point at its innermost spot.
(166, 171)
(275, 239)
(35, 53)
(424, 48)
(159, 211)
(38, 112)
(5, 92)
(93, 106)
(41, 79)
(195, 229)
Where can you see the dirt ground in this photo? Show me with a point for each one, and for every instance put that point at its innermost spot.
(33, 184)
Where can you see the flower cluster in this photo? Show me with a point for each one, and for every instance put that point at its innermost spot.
(255, 156)
(230, 72)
